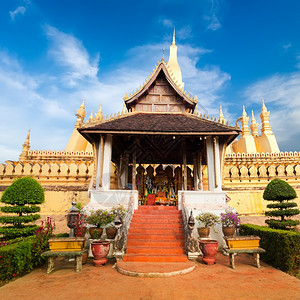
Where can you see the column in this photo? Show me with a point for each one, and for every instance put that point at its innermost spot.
(107, 163)
(210, 163)
(196, 174)
(218, 178)
(134, 170)
(200, 171)
(184, 167)
(98, 155)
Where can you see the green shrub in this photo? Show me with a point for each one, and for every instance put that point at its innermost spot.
(280, 191)
(21, 198)
(21, 255)
(282, 247)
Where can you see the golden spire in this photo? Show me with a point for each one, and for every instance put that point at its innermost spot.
(221, 116)
(173, 43)
(26, 147)
(80, 114)
(254, 126)
(244, 120)
(173, 65)
(91, 119)
(265, 120)
(99, 115)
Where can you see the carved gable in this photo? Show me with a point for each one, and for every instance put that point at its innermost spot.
(160, 97)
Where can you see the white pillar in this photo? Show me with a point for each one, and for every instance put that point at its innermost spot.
(98, 165)
(184, 167)
(218, 178)
(210, 163)
(107, 163)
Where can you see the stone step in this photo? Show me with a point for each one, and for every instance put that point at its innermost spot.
(156, 224)
(153, 230)
(156, 236)
(154, 250)
(158, 212)
(157, 207)
(164, 218)
(155, 243)
(155, 258)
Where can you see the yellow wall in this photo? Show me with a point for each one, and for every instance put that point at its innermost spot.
(251, 202)
(57, 202)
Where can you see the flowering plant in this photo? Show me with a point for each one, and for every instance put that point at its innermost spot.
(208, 219)
(80, 225)
(100, 218)
(229, 218)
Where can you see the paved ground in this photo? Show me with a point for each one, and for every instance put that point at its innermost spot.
(205, 282)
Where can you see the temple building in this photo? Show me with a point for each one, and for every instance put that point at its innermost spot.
(159, 145)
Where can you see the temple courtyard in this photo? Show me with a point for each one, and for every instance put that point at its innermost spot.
(217, 281)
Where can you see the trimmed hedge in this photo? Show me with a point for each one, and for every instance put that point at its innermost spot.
(282, 247)
(17, 258)
(21, 255)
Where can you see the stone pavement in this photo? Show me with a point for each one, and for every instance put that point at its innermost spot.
(218, 281)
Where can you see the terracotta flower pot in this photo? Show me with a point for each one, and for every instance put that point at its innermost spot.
(209, 249)
(228, 231)
(95, 232)
(111, 232)
(203, 232)
(100, 250)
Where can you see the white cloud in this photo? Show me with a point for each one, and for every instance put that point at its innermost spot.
(212, 19)
(167, 22)
(287, 46)
(69, 52)
(19, 10)
(282, 98)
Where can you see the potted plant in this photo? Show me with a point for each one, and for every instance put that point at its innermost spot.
(96, 218)
(208, 220)
(229, 221)
(111, 230)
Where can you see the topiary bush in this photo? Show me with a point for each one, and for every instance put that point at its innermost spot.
(21, 199)
(281, 192)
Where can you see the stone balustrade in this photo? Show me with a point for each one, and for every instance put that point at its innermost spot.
(261, 167)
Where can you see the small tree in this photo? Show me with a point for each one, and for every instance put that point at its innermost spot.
(280, 191)
(21, 198)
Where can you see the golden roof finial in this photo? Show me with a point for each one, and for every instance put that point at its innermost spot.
(163, 57)
(99, 115)
(91, 117)
(221, 116)
(173, 43)
(254, 126)
(263, 105)
(80, 114)
(173, 63)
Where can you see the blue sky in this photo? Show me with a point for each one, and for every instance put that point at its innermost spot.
(231, 53)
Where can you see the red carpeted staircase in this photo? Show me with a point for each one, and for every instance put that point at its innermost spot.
(156, 234)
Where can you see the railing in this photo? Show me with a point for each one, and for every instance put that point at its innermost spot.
(191, 244)
(120, 244)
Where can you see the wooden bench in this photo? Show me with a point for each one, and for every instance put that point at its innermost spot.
(53, 254)
(254, 251)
